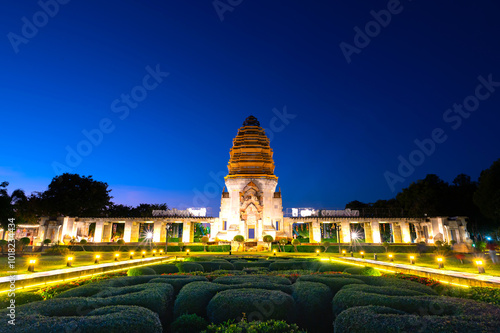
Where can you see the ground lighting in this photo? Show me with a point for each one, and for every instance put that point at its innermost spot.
(317, 252)
(161, 252)
(391, 258)
(274, 251)
(31, 266)
(480, 267)
(144, 254)
(116, 256)
(362, 254)
(97, 256)
(412, 260)
(68, 261)
(187, 252)
(131, 254)
(343, 252)
(440, 261)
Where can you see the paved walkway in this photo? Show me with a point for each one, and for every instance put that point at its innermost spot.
(443, 275)
(26, 281)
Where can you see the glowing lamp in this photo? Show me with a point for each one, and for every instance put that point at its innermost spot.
(97, 256)
(154, 253)
(391, 258)
(480, 267)
(274, 252)
(144, 254)
(440, 261)
(117, 255)
(131, 254)
(31, 266)
(412, 260)
(343, 252)
(161, 251)
(68, 261)
(187, 252)
(362, 254)
(317, 252)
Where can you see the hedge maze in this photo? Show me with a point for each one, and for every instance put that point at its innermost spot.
(146, 301)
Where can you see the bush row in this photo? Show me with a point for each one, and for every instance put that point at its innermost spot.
(127, 248)
(367, 248)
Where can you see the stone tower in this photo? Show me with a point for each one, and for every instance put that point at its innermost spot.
(250, 205)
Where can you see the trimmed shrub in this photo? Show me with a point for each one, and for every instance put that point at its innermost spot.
(257, 304)
(138, 271)
(380, 319)
(103, 320)
(210, 266)
(188, 324)
(164, 269)
(292, 265)
(218, 248)
(178, 281)
(194, 298)
(269, 326)
(188, 267)
(252, 278)
(335, 283)
(240, 265)
(22, 297)
(370, 271)
(329, 267)
(313, 305)
(157, 297)
(386, 281)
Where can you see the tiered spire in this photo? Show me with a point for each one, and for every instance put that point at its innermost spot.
(251, 156)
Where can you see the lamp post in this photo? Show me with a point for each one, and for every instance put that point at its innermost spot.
(31, 266)
(440, 261)
(68, 261)
(480, 267)
(167, 228)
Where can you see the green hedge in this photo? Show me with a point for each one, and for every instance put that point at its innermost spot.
(370, 271)
(102, 320)
(178, 281)
(313, 305)
(332, 267)
(285, 265)
(252, 278)
(334, 248)
(240, 265)
(269, 326)
(157, 297)
(164, 269)
(188, 267)
(386, 281)
(219, 248)
(138, 271)
(335, 283)
(194, 298)
(188, 324)
(22, 297)
(256, 304)
(210, 266)
(409, 302)
(380, 319)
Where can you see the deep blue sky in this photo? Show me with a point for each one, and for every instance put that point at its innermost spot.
(352, 120)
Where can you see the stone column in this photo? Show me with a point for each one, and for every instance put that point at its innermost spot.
(346, 232)
(405, 232)
(157, 228)
(375, 227)
(106, 232)
(98, 231)
(127, 232)
(134, 234)
(187, 232)
(396, 232)
(315, 232)
(368, 232)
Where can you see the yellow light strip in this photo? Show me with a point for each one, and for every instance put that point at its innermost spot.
(80, 277)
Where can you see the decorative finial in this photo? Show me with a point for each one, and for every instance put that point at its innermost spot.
(251, 121)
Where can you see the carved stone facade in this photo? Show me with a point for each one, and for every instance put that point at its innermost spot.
(250, 204)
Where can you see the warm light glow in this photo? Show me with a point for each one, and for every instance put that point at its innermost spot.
(69, 258)
(440, 259)
(131, 253)
(479, 262)
(390, 256)
(117, 254)
(161, 251)
(154, 251)
(354, 235)
(317, 251)
(32, 261)
(187, 250)
(149, 235)
(97, 256)
(274, 251)
(361, 253)
(343, 251)
(412, 257)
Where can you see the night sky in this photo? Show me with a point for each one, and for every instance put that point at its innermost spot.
(161, 88)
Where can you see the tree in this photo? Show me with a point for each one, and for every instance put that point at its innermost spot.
(119, 210)
(295, 243)
(75, 195)
(283, 242)
(240, 239)
(23, 242)
(487, 195)
(6, 207)
(146, 210)
(268, 239)
(326, 245)
(426, 196)
(204, 240)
